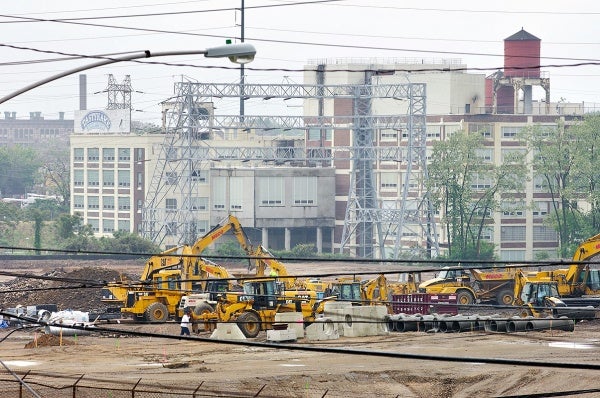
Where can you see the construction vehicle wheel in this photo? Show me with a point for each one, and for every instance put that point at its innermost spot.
(249, 324)
(203, 308)
(505, 297)
(464, 298)
(156, 312)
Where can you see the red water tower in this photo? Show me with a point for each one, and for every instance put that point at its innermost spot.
(522, 55)
(521, 72)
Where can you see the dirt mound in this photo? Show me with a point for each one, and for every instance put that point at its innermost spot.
(78, 289)
(48, 340)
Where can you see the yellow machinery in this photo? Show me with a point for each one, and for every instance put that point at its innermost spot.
(372, 292)
(542, 299)
(166, 278)
(471, 285)
(577, 280)
(255, 307)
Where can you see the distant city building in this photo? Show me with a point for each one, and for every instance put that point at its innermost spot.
(35, 131)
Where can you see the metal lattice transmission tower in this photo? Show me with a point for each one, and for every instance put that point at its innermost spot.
(187, 152)
(119, 95)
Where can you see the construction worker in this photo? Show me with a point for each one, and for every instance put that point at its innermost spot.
(185, 323)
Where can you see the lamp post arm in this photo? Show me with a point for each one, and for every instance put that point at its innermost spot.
(130, 57)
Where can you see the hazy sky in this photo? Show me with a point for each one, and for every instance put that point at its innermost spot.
(286, 34)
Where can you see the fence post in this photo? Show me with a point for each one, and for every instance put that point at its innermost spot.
(75, 385)
(196, 390)
(134, 387)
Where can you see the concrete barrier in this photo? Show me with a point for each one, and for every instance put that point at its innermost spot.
(294, 320)
(227, 331)
(322, 329)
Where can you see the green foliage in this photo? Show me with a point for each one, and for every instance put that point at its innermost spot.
(466, 189)
(126, 242)
(229, 249)
(66, 226)
(19, 167)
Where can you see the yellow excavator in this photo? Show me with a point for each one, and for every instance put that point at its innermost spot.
(166, 278)
(541, 299)
(578, 280)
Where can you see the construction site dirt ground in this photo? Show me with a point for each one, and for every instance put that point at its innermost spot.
(111, 359)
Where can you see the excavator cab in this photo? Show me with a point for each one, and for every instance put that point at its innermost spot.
(263, 294)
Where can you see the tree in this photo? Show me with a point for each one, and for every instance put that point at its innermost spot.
(126, 242)
(19, 167)
(555, 154)
(467, 188)
(55, 174)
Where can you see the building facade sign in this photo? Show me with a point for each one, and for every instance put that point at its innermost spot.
(102, 121)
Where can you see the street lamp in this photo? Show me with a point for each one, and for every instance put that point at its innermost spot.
(240, 53)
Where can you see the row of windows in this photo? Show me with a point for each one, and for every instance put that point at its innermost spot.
(108, 178)
(108, 225)
(123, 203)
(106, 154)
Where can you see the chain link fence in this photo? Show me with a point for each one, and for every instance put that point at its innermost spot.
(54, 386)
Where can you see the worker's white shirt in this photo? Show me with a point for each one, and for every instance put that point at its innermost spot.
(185, 321)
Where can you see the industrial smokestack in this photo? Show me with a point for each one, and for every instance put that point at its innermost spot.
(82, 92)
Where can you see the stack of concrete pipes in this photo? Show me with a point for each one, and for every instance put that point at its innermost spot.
(466, 323)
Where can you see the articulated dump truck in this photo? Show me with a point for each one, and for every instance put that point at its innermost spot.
(473, 286)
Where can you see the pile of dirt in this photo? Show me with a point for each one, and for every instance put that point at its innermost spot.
(77, 289)
(48, 340)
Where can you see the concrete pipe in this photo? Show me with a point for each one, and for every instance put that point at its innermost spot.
(562, 323)
(428, 322)
(518, 324)
(390, 320)
(497, 325)
(451, 324)
(407, 324)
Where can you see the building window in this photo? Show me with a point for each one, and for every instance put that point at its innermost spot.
(93, 178)
(171, 205)
(540, 184)
(388, 135)
(78, 179)
(510, 131)
(93, 202)
(139, 154)
(512, 234)
(199, 203)
(108, 178)
(513, 155)
(219, 193)
(124, 178)
(124, 155)
(486, 130)
(78, 202)
(94, 223)
(93, 154)
(108, 154)
(108, 225)
(485, 154)
(305, 191)
(270, 191)
(140, 180)
(200, 227)
(78, 155)
(389, 181)
(124, 225)
(433, 131)
(481, 182)
(236, 193)
(541, 208)
(513, 209)
(512, 255)
(199, 175)
(487, 234)
(544, 233)
(108, 203)
(124, 203)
